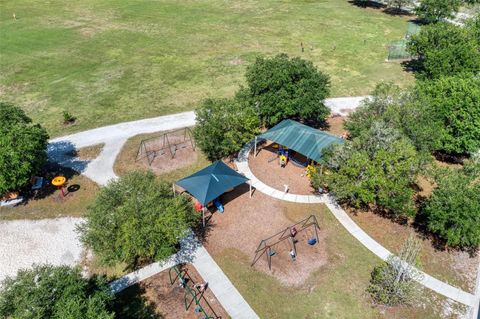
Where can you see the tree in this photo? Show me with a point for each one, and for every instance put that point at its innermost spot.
(453, 210)
(393, 282)
(287, 88)
(224, 126)
(55, 292)
(455, 103)
(398, 109)
(136, 219)
(433, 11)
(444, 49)
(377, 169)
(22, 148)
(399, 4)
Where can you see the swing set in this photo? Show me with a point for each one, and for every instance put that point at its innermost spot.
(149, 147)
(191, 293)
(289, 233)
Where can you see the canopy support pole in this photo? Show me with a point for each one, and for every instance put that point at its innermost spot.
(173, 188)
(203, 216)
(250, 183)
(255, 151)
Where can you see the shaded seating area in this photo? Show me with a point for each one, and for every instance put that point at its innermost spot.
(208, 184)
(299, 138)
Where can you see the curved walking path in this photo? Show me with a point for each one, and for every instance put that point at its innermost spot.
(426, 280)
(101, 171)
(194, 253)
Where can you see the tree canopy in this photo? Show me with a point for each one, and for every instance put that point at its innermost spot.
(444, 49)
(55, 292)
(376, 169)
(453, 210)
(135, 219)
(22, 148)
(399, 110)
(454, 102)
(282, 87)
(224, 126)
(437, 10)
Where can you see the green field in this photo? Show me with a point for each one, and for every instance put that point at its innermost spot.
(109, 61)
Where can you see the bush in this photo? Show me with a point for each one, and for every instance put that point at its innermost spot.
(392, 283)
(433, 11)
(22, 148)
(284, 88)
(376, 169)
(55, 292)
(68, 118)
(444, 49)
(135, 219)
(224, 126)
(455, 103)
(453, 210)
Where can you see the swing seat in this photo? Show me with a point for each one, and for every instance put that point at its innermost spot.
(272, 253)
(312, 241)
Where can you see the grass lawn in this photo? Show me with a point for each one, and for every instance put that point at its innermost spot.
(336, 290)
(115, 60)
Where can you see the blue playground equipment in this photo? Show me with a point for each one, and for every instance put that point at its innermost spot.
(218, 205)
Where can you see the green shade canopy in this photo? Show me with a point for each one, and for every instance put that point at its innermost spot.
(301, 138)
(211, 182)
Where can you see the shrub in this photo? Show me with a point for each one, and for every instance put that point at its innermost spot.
(68, 118)
(55, 292)
(224, 126)
(392, 283)
(453, 210)
(284, 88)
(135, 219)
(22, 148)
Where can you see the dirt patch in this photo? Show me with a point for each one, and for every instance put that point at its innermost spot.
(169, 299)
(89, 153)
(246, 221)
(335, 125)
(265, 166)
(454, 267)
(155, 153)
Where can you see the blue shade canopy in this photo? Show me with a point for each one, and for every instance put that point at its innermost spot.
(211, 182)
(301, 138)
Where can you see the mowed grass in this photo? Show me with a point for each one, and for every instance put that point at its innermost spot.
(337, 290)
(116, 60)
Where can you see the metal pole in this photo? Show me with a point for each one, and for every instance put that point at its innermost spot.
(255, 151)
(203, 213)
(173, 188)
(250, 183)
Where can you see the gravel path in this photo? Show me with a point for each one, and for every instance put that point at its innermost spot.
(27, 242)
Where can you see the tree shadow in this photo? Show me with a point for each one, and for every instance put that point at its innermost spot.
(367, 4)
(414, 66)
(131, 304)
(64, 154)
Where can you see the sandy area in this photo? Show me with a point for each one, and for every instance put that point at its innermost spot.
(24, 243)
(246, 221)
(161, 156)
(265, 166)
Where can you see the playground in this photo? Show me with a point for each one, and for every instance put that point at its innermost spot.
(247, 221)
(174, 293)
(266, 167)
